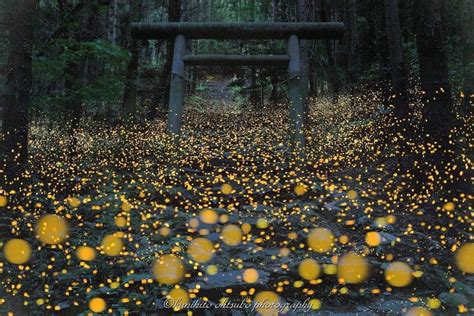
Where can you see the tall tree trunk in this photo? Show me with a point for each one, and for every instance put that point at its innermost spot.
(82, 71)
(353, 62)
(112, 32)
(130, 89)
(433, 61)
(397, 64)
(18, 85)
(327, 10)
(382, 50)
(468, 53)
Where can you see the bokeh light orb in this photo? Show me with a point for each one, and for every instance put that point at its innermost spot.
(17, 251)
(433, 303)
(352, 268)
(321, 240)
(418, 311)
(85, 253)
(212, 269)
(74, 202)
(111, 245)
(449, 206)
(208, 216)
(226, 188)
(120, 221)
(373, 239)
(51, 229)
(266, 303)
(352, 194)
(262, 223)
(398, 274)
(246, 228)
(330, 269)
(168, 269)
(250, 275)
(97, 305)
(3, 201)
(309, 269)
(465, 258)
(231, 235)
(300, 189)
(178, 297)
(201, 250)
(314, 304)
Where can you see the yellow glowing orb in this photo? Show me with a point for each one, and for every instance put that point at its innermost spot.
(315, 304)
(178, 297)
(266, 303)
(309, 269)
(164, 231)
(120, 221)
(3, 201)
(284, 252)
(352, 268)
(51, 229)
(201, 250)
(300, 189)
(398, 274)
(418, 311)
(321, 240)
(344, 239)
(208, 216)
(246, 228)
(232, 235)
(292, 235)
(85, 253)
(97, 305)
(224, 218)
(373, 239)
(330, 269)
(111, 245)
(352, 195)
(391, 219)
(262, 223)
(74, 202)
(126, 206)
(433, 303)
(212, 269)
(168, 269)
(465, 258)
(381, 222)
(449, 206)
(17, 251)
(226, 188)
(193, 223)
(250, 275)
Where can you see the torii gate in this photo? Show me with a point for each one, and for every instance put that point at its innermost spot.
(292, 31)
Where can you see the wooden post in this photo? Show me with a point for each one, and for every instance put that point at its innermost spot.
(295, 93)
(177, 87)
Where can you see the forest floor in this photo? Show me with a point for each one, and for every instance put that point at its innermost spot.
(262, 208)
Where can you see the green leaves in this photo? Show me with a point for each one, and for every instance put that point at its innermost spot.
(97, 75)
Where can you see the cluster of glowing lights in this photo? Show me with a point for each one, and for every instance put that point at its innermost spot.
(331, 250)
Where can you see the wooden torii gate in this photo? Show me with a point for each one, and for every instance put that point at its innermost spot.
(293, 32)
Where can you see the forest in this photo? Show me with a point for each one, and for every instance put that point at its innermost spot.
(236, 157)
